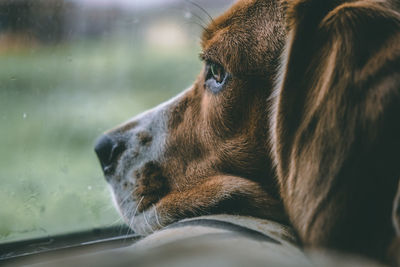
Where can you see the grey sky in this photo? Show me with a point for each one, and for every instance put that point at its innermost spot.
(127, 3)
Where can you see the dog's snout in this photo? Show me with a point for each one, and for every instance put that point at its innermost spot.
(108, 150)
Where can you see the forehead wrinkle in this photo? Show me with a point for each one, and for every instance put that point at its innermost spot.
(241, 13)
(226, 48)
(247, 40)
(235, 14)
(241, 51)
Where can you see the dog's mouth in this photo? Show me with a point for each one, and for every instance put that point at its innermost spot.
(137, 193)
(140, 213)
(135, 177)
(139, 219)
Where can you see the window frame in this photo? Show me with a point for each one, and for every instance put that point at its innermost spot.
(38, 249)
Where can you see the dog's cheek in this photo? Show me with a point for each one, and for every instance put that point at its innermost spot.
(151, 185)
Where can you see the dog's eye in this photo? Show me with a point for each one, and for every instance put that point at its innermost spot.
(216, 77)
(217, 72)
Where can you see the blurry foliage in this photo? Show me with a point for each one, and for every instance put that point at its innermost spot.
(66, 75)
(54, 102)
(38, 19)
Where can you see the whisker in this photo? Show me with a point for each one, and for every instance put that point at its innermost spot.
(117, 221)
(129, 230)
(132, 219)
(191, 13)
(156, 213)
(202, 21)
(134, 214)
(128, 195)
(198, 24)
(122, 203)
(147, 222)
(120, 220)
(202, 9)
(121, 226)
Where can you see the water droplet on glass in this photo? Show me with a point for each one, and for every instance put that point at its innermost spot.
(89, 187)
(24, 115)
(13, 78)
(64, 169)
(188, 15)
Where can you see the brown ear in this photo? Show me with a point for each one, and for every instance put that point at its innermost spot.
(336, 126)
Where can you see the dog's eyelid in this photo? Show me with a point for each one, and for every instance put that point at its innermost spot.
(209, 58)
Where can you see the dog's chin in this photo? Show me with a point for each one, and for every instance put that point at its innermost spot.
(142, 222)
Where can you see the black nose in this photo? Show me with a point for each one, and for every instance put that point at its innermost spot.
(108, 151)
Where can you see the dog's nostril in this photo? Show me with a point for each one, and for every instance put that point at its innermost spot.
(108, 151)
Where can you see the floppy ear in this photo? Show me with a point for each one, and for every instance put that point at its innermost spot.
(336, 123)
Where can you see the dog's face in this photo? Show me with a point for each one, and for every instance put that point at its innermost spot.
(206, 150)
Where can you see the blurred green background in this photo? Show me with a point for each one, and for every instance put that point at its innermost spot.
(63, 84)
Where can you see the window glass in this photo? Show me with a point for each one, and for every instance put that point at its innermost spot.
(70, 70)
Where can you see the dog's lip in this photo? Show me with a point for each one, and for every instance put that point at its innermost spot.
(136, 209)
(149, 205)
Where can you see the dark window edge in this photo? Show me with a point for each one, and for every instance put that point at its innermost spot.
(34, 250)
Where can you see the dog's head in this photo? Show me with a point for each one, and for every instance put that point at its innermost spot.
(206, 150)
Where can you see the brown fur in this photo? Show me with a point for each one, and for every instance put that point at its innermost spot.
(216, 149)
(336, 130)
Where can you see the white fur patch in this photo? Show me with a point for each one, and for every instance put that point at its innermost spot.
(153, 123)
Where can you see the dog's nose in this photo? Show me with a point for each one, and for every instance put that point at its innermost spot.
(108, 151)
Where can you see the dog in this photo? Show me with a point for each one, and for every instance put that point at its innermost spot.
(205, 151)
(293, 119)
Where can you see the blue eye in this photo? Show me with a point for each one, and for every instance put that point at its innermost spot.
(215, 77)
